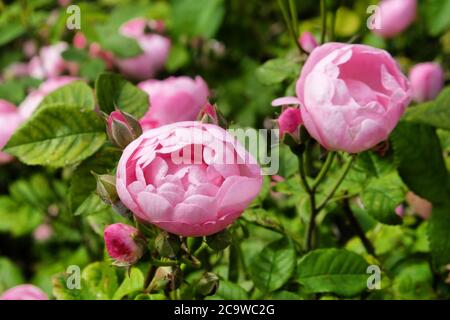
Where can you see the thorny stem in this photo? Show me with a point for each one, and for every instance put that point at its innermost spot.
(292, 26)
(324, 170)
(323, 12)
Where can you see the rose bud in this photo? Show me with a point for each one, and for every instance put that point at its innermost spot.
(420, 206)
(400, 210)
(155, 49)
(32, 101)
(166, 278)
(124, 243)
(211, 114)
(427, 80)
(208, 284)
(106, 188)
(10, 120)
(24, 292)
(167, 244)
(307, 42)
(351, 96)
(289, 122)
(395, 16)
(188, 178)
(79, 40)
(122, 128)
(173, 100)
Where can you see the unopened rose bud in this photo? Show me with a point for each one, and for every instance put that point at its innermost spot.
(400, 210)
(166, 278)
(307, 42)
(208, 284)
(211, 114)
(167, 244)
(106, 188)
(122, 128)
(427, 80)
(219, 241)
(289, 122)
(124, 243)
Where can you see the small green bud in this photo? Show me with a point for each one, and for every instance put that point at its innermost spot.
(167, 244)
(208, 284)
(219, 241)
(106, 188)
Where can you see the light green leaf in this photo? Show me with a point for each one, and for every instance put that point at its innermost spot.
(10, 274)
(132, 282)
(333, 270)
(273, 266)
(277, 70)
(76, 94)
(113, 92)
(382, 195)
(102, 280)
(437, 15)
(434, 113)
(19, 219)
(57, 137)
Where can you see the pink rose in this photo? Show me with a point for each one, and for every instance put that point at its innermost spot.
(10, 119)
(24, 292)
(290, 121)
(427, 80)
(155, 49)
(351, 96)
(124, 244)
(43, 232)
(32, 101)
(307, 42)
(187, 193)
(395, 16)
(49, 63)
(173, 99)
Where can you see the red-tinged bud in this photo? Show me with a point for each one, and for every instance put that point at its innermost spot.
(122, 128)
(307, 42)
(124, 243)
(289, 122)
(211, 114)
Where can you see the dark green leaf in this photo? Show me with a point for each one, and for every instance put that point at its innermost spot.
(439, 235)
(333, 270)
(229, 291)
(113, 92)
(57, 136)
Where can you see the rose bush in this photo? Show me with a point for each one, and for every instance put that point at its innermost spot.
(144, 162)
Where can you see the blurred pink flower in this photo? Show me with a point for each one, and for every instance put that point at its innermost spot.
(43, 232)
(24, 292)
(49, 63)
(10, 119)
(427, 80)
(395, 16)
(307, 42)
(188, 178)
(173, 99)
(351, 96)
(155, 49)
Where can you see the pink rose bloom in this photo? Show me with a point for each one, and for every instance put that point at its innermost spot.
(10, 119)
(395, 16)
(427, 80)
(24, 292)
(173, 99)
(351, 96)
(32, 101)
(124, 244)
(307, 42)
(188, 178)
(290, 121)
(154, 46)
(49, 63)
(43, 232)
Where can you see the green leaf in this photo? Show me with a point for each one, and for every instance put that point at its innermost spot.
(83, 183)
(148, 296)
(90, 69)
(229, 291)
(75, 54)
(382, 195)
(277, 70)
(439, 235)
(437, 15)
(19, 219)
(273, 266)
(35, 191)
(418, 154)
(62, 292)
(333, 270)
(434, 113)
(132, 282)
(10, 274)
(91, 205)
(178, 57)
(76, 94)
(113, 92)
(121, 46)
(200, 18)
(101, 279)
(11, 31)
(57, 136)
